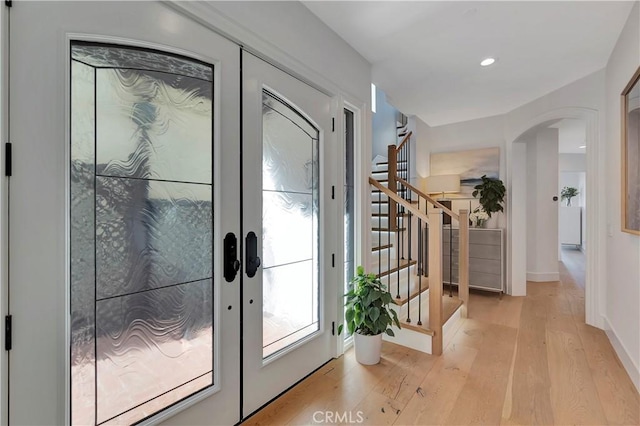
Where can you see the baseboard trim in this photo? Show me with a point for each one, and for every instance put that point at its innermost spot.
(543, 277)
(623, 354)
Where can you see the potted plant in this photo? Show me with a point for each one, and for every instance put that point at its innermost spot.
(491, 193)
(567, 193)
(368, 315)
(478, 217)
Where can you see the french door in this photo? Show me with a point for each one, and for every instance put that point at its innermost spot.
(125, 130)
(289, 283)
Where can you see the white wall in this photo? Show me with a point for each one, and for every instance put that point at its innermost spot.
(622, 313)
(572, 162)
(291, 29)
(518, 255)
(542, 210)
(383, 123)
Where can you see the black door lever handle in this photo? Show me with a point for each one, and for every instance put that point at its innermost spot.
(231, 262)
(253, 261)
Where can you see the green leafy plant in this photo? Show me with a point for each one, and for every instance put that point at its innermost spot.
(567, 193)
(491, 193)
(367, 306)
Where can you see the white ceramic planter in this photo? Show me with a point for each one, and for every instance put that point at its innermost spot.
(368, 348)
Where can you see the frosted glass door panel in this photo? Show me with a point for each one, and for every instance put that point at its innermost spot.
(168, 138)
(289, 225)
(141, 232)
(145, 234)
(286, 213)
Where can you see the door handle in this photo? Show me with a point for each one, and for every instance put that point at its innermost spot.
(231, 262)
(253, 261)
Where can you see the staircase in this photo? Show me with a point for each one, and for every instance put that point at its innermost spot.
(400, 255)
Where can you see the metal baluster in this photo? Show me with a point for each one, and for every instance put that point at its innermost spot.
(388, 244)
(409, 269)
(379, 230)
(420, 265)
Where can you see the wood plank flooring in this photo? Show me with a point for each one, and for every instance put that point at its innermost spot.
(515, 361)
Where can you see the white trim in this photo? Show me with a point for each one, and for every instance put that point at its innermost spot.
(623, 354)
(595, 296)
(343, 344)
(4, 208)
(543, 277)
(206, 14)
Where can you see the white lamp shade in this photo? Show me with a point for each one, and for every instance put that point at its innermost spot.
(442, 184)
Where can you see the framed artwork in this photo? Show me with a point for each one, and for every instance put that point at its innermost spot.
(471, 165)
(631, 155)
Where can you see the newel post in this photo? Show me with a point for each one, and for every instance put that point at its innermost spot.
(435, 279)
(463, 259)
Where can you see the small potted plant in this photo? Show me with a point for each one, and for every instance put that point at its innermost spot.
(478, 217)
(368, 315)
(491, 193)
(567, 193)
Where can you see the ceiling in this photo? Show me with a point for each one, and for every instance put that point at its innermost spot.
(426, 54)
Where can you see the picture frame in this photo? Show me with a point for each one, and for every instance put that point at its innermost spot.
(630, 150)
(471, 165)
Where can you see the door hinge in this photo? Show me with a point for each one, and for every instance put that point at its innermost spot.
(333, 328)
(8, 3)
(333, 124)
(7, 333)
(333, 260)
(333, 192)
(7, 159)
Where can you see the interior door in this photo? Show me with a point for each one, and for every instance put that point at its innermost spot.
(289, 234)
(123, 119)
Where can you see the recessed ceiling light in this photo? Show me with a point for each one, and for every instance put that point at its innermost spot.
(487, 62)
(582, 146)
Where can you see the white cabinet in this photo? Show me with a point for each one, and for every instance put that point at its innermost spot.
(570, 225)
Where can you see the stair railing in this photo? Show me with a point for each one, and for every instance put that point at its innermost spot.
(407, 204)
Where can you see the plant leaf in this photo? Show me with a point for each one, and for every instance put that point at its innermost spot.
(374, 313)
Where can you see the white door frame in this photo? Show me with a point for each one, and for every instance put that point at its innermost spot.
(595, 297)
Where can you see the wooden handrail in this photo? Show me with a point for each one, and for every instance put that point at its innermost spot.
(428, 198)
(393, 196)
(404, 140)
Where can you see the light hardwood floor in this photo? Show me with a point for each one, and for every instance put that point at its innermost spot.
(515, 361)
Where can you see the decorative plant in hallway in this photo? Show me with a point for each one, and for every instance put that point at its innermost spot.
(367, 306)
(478, 217)
(491, 193)
(368, 315)
(567, 193)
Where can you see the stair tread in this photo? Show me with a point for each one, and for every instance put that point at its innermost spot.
(449, 306)
(382, 247)
(403, 265)
(397, 190)
(398, 214)
(376, 229)
(414, 293)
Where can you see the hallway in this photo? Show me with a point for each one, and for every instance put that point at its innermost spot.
(515, 361)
